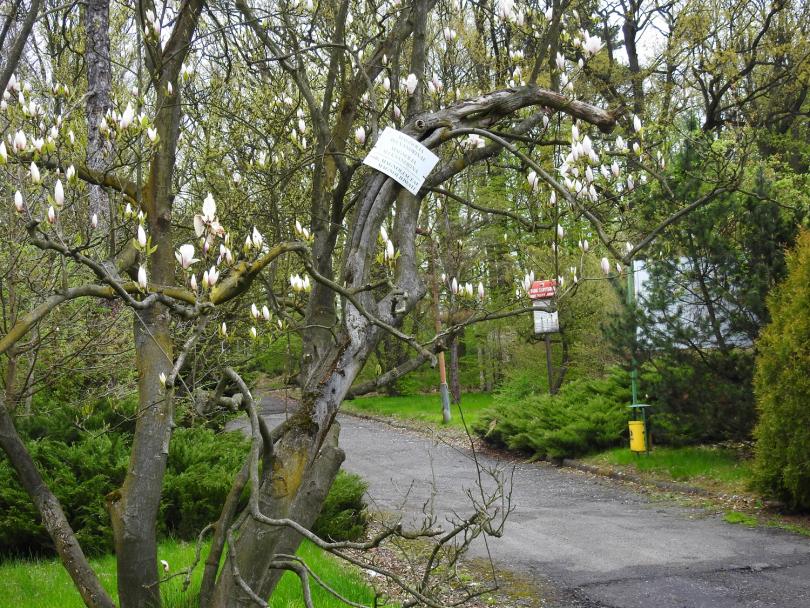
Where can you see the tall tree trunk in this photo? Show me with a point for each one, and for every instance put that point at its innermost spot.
(53, 517)
(99, 83)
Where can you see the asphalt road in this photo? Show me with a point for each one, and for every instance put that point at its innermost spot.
(595, 543)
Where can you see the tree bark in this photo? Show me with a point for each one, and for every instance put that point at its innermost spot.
(99, 83)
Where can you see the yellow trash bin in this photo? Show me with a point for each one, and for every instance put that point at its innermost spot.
(638, 438)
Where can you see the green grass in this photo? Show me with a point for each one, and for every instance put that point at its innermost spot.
(704, 466)
(45, 584)
(735, 517)
(424, 408)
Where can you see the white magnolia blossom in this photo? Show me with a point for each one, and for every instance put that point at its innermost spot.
(605, 266)
(265, 313)
(3, 152)
(35, 175)
(70, 173)
(560, 231)
(162, 378)
(152, 134)
(94, 221)
(560, 60)
(591, 44)
(254, 311)
(410, 83)
(360, 135)
(258, 239)
(383, 234)
(20, 142)
(480, 290)
(192, 282)
(51, 215)
(209, 208)
(127, 117)
(18, 201)
(59, 193)
(142, 281)
(636, 123)
(454, 285)
(389, 251)
(185, 255)
(141, 237)
(534, 180)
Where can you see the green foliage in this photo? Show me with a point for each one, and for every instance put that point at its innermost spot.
(700, 399)
(585, 416)
(343, 516)
(199, 473)
(782, 385)
(80, 474)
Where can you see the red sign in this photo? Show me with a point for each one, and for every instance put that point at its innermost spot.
(543, 290)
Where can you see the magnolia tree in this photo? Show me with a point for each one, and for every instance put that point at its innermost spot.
(227, 152)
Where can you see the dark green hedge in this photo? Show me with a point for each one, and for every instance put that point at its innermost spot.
(586, 415)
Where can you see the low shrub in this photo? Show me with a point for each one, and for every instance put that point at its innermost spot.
(585, 416)
(200, 469)
(343, 516)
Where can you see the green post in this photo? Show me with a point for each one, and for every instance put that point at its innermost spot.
(631, 297)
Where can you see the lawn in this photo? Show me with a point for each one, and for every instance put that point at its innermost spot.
(424, 408)
(713, 467)
(44, 583)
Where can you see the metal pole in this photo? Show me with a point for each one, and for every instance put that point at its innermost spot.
(549, 367)
(631, 297)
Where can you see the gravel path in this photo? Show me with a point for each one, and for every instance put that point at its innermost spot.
(597, 543)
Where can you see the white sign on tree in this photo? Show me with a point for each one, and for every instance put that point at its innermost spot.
(401, 158)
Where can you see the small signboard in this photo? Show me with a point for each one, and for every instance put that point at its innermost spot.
(546, 322)
(543, 290)
(402, 158)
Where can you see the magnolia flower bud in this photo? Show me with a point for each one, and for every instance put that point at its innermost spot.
(152, 134)
(560, 231)
(360, 135)
(223, 330)
(480, 290)
(165, 565)
(51, 215)
(265, 313)
(3, 153)
(410, 83)
(142, 282)
(18, 202)
(254, 312)
(209, 208)
(605, 266)
(383, 234)
(253, 333)
(162, 378)
(20, 143)
(454, 285)
(127, 117)
(193, 282)
(141, 237)
(35, 176)
(636, 123)
(258, 239)
(389, 250)
(94, 221)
